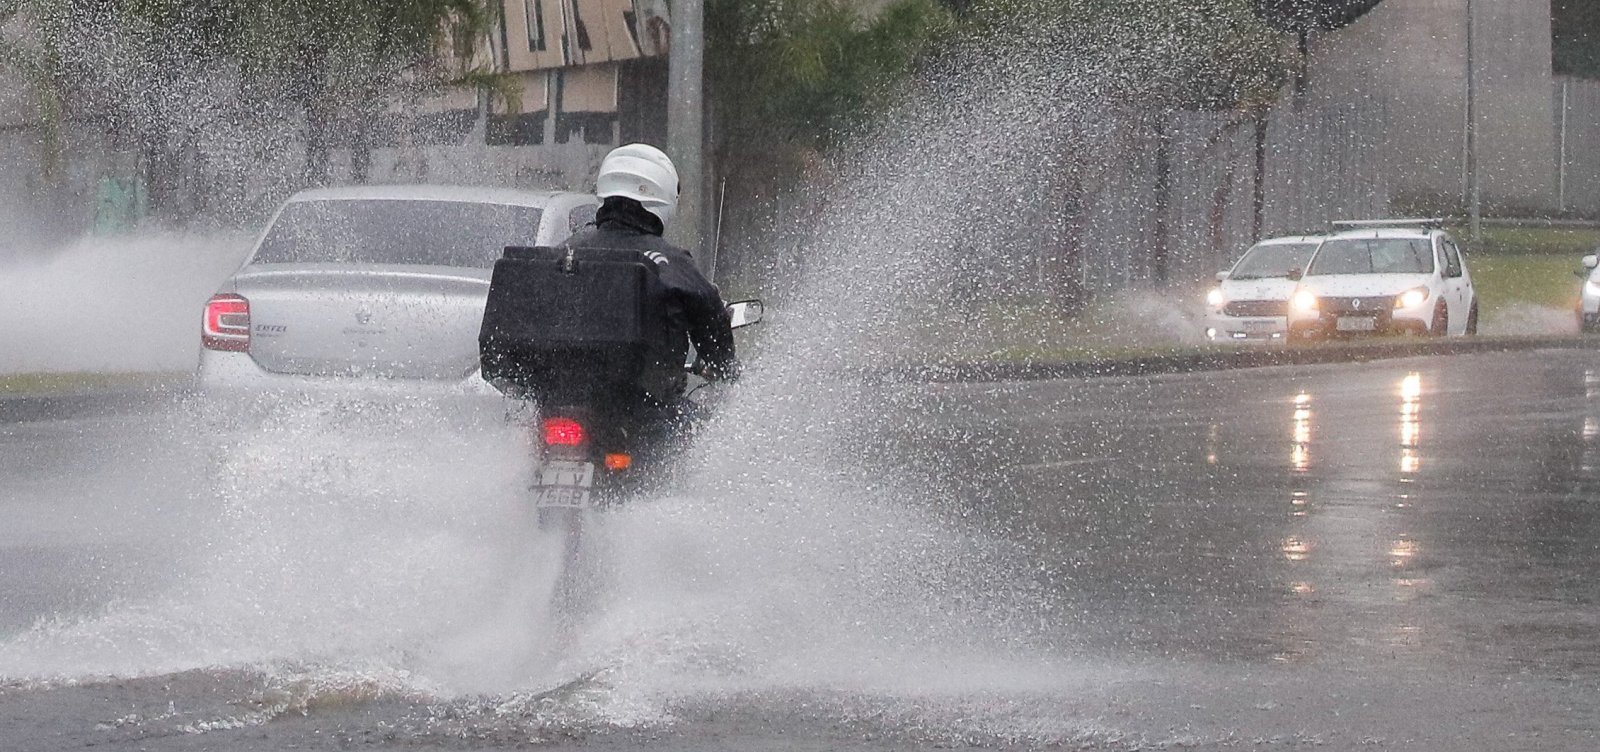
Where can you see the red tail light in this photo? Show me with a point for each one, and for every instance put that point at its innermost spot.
(227, 324)
(563, 432)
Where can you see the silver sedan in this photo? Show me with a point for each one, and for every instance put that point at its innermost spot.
(385, 285)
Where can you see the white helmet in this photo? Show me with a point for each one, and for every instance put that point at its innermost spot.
(642, 173)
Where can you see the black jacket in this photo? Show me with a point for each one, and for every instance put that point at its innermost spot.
(695, 308)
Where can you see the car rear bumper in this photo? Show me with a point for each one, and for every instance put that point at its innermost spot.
(237, 371)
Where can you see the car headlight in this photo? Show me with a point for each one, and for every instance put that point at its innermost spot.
(1215, 298)
(1305, 301)
(1412, 298)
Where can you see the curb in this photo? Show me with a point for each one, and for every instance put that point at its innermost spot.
(40, 407)
(1222, 360)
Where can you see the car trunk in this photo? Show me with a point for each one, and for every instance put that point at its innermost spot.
(417, 322)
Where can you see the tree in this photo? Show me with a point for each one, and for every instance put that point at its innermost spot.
(159, 73)
(1157, 54)
(1149, 59)
(803, 72)
(959, 7)
(334, 59)
(788, 80)
(1301, 17)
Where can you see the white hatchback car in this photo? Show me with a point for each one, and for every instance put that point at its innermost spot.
(1387, 280)
(1589, 296)
(382, 286)
(1251, 301)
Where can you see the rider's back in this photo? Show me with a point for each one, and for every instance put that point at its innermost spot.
(612, 309)
(575, 325)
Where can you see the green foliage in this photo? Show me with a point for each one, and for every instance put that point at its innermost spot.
(155, 73)
(802, 72)
(364, 39)
(1299, 16)
(339, 47)
(1506, 280)
(1154, 54)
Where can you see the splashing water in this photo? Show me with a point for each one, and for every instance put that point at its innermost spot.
(105, 304)
(1521, 319)
(381, 549)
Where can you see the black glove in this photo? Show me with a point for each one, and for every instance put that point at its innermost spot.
(727, 373)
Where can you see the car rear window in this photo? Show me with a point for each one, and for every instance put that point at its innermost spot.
(1267, 261)
(1373, 256)
(434, 233)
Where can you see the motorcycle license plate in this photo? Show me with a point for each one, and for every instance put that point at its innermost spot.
(564, 484)
(1357, 324)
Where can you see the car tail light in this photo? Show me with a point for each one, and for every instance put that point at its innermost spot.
(563, 432)
(227, 324)
(617, 462)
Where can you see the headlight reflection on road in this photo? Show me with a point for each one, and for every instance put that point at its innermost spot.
(1591, 424)
(1402, 551)
(1591, 431)
(1300, 453)
(1296, 549)
(1410, 423)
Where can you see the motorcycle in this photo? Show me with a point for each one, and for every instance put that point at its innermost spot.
(590, 457)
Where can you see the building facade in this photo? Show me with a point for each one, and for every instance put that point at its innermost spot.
(584, 75)
(593, 70)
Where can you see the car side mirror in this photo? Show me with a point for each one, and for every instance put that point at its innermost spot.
(1591, 261)
(1295, 275)
(746, 312)
(1222, 276)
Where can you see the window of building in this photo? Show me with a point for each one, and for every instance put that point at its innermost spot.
(535, 13)
(582, 29)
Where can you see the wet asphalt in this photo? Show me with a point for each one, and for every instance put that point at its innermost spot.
(1390, 555)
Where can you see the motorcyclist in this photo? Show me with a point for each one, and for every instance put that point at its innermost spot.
(639, 186)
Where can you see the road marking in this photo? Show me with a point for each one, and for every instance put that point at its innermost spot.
(1065, 463)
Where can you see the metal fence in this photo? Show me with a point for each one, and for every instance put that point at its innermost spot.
(1313, 166)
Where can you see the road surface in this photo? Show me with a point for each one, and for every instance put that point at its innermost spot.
(1393, 555)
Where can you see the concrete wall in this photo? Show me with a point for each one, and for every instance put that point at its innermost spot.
(1577, 103)
(1410, 56)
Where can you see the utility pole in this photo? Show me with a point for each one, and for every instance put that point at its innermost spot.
(1561, 166)
(686, 127)
(1474, 179)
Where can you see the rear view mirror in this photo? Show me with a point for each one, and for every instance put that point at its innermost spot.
(746, 312)
(1222, 276)
(1591, 261)
(1295, 275)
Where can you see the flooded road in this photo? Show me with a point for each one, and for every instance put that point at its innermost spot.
(1395, 555)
